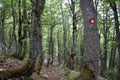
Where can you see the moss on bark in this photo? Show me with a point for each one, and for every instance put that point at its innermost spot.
(86, 74)
(15, 72)
(71, 60)
(37, 67)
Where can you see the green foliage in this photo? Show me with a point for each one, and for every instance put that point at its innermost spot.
(111, 1)
(52, 15)
(71, 74)
(112, 73)
(113, 44)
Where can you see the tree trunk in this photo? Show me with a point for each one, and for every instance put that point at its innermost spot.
(105, 45)
(36, 36)
(74, 19)
(18, 52)
(20, 43)
(51, 46)
(91, 40)
(112, 63)
(112, 58)
(59, 47)
(2, 36)
(71, 62)
(12, 39)
(81, 51)
(25, 28)
(114, 8)
(40, 54)
(64, 35)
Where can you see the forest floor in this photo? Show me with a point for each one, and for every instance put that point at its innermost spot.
(53, 72)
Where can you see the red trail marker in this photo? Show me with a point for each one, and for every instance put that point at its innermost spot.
(92, 21)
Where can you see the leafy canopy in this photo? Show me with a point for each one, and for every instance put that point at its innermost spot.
(111, 1)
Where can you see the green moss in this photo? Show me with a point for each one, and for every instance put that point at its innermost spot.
(86, 73)
(37, 67)
(70, 59)
(14, 72)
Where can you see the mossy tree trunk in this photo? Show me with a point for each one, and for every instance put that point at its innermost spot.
(14, 72)
(35, 43)
(25, 28)
(36, 36)
(2, 33)
(20, 27)
(91, 39)
(74, 51)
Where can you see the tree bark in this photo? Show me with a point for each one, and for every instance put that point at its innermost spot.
(74, 51)
(59, 46)
(114, 8)
(36, 36)
(51, 46)
(20, 43)
(112, 63)
(91, 37)
(25, 28)
(112, 58)
(2, 34)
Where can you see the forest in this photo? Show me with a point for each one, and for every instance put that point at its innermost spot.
(59, 40)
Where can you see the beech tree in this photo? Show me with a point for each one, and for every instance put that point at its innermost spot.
(28, 28)
(51, 46)
(36, 51)
(64, 33)
(75, 18)
(2, 24)
(91, 40)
